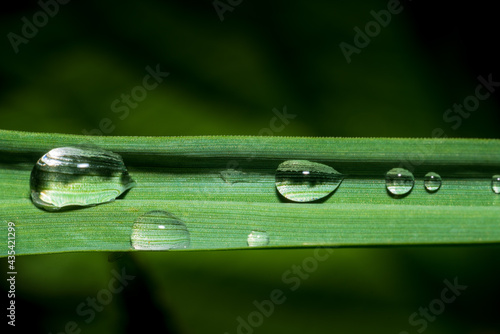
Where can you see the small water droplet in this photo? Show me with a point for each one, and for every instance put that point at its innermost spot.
(399, 181)
(159, 230)
(432, 182)
(78, 176)
(231, 175)
(495, 184)
(306, 181)
(258, 239)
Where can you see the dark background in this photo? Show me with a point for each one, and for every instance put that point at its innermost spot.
(225, 78)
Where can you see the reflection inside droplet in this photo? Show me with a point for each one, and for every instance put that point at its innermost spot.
(306, 181)
(399, 181)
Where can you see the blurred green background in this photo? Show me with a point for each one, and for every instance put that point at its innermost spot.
(70, 75)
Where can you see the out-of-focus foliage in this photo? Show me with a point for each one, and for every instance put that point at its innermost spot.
(226, 77)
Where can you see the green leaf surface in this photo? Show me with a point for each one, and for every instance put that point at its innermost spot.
(223, 188)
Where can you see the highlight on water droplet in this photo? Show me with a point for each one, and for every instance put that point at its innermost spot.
(495, 184)
(432, 182)
(78, 176)
(399, 181)
(306, 181)
(159, 230)
(258, 239)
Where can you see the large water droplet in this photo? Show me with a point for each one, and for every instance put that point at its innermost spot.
(399, 181)
(78, 176)
(432, 182)
(258, 239)
(495, 184)
(159, 230)
(305, 181)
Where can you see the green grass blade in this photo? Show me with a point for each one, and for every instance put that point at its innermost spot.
(223, 188)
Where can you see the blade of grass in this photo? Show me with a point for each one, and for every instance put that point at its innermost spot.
(223, 188)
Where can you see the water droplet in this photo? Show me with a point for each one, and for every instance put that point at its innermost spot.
(495, 184)
(258, 239)
(432, 182)
(159, 230)
(305, 181)
(78, 176)
(233, 176)
(399, 181)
